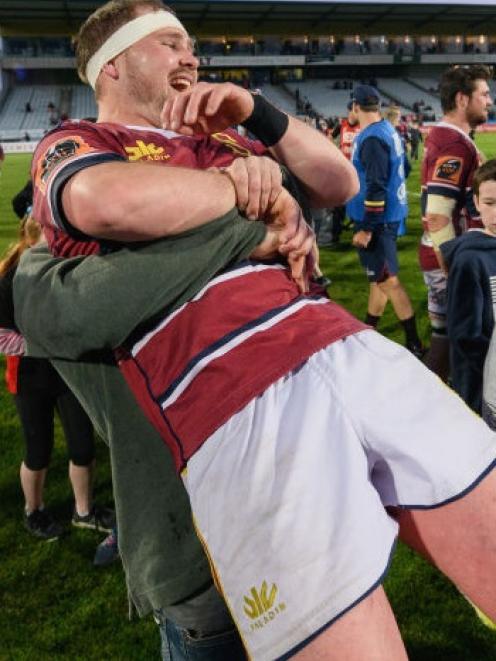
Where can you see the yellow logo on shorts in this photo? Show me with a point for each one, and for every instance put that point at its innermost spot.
(259, 606)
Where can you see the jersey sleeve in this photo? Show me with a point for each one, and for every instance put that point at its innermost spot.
(448, 169)
(58, 157)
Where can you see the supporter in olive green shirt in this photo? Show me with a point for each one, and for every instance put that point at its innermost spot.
(54, 298)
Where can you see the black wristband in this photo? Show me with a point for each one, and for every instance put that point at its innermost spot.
(266, 122)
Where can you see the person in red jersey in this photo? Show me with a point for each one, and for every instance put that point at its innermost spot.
(347, 129)
(450, 160)
(266, 395)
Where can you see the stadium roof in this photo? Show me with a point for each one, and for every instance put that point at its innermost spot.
(235, 17)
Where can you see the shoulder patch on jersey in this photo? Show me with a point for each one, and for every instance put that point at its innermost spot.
(63, 149)
(448, 169)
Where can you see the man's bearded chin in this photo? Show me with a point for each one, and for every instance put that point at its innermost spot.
(142, 95)
(476, 119)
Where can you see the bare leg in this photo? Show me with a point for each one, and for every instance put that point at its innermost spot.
(400, 300)
(32, 483)
(81, 478)
(460, 539)
(377, 300)
(368, 631)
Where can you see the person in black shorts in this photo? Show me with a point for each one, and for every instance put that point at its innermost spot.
(378, 211)
(38, 392)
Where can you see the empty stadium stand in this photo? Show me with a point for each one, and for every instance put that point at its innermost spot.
(279, 97)
(326, 100)
(82, 102)
(404, 94)
(13, 115)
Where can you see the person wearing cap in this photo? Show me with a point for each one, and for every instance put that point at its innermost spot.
(378, 210)
(253, 384)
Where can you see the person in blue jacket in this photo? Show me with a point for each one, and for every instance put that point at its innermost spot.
(378, 210)
(471, 261)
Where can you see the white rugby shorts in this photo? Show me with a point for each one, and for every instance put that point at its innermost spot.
(437, 297)
(289, 496)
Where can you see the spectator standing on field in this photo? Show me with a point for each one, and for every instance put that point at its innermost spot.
(471, 262)
(450, 160)
(38, 391)
(377, 212)
(346, 129)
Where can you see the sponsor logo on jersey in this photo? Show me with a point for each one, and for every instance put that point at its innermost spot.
(146, 152)
(261, 606)
(63, 149)
(448, 169)
(230, 142)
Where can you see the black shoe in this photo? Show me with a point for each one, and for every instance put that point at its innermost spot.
(323, 281)
(40, 524)
(99, 518)
(107, 551)
(418, 350)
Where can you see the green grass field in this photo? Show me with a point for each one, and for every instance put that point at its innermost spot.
(54, 604)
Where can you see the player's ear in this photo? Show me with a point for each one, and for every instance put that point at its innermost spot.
(461, 100)
(110, 69)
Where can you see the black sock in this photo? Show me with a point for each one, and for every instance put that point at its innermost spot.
(410, 328)
(372, 320)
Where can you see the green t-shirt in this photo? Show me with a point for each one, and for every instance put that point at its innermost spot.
(79, 309)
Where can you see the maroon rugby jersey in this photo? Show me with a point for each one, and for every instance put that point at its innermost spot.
(247, 328)
(450, 160)
(75, 145)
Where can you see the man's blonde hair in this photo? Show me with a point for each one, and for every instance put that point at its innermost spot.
(102, 23)
(393, 114)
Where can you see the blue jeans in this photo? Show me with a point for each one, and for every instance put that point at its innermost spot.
(182, 645)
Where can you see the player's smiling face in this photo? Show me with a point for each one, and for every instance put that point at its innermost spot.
(479, 103)
(161, 64)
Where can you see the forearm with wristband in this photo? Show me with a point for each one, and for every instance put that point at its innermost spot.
(269, 124)
(266, 122)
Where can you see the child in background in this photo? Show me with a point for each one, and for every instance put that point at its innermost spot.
(471, 261)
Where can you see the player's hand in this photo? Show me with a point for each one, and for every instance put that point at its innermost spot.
(257, 181)
(361, 239)
(289, 235)
(206, 108)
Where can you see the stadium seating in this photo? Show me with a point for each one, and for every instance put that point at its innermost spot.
(279, 97)
(327, 101)
(13, 115)
(404, 94)
(82, 102)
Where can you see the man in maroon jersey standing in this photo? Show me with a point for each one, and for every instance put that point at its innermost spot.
(450, 160)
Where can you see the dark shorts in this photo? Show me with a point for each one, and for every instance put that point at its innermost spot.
(379, 259)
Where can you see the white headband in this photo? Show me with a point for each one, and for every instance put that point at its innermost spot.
(126, 36)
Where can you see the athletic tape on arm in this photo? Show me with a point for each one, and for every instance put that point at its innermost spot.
(126, 36)
(439, 204)
(442, 206)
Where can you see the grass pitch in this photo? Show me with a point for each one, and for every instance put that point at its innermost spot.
(54, 604)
